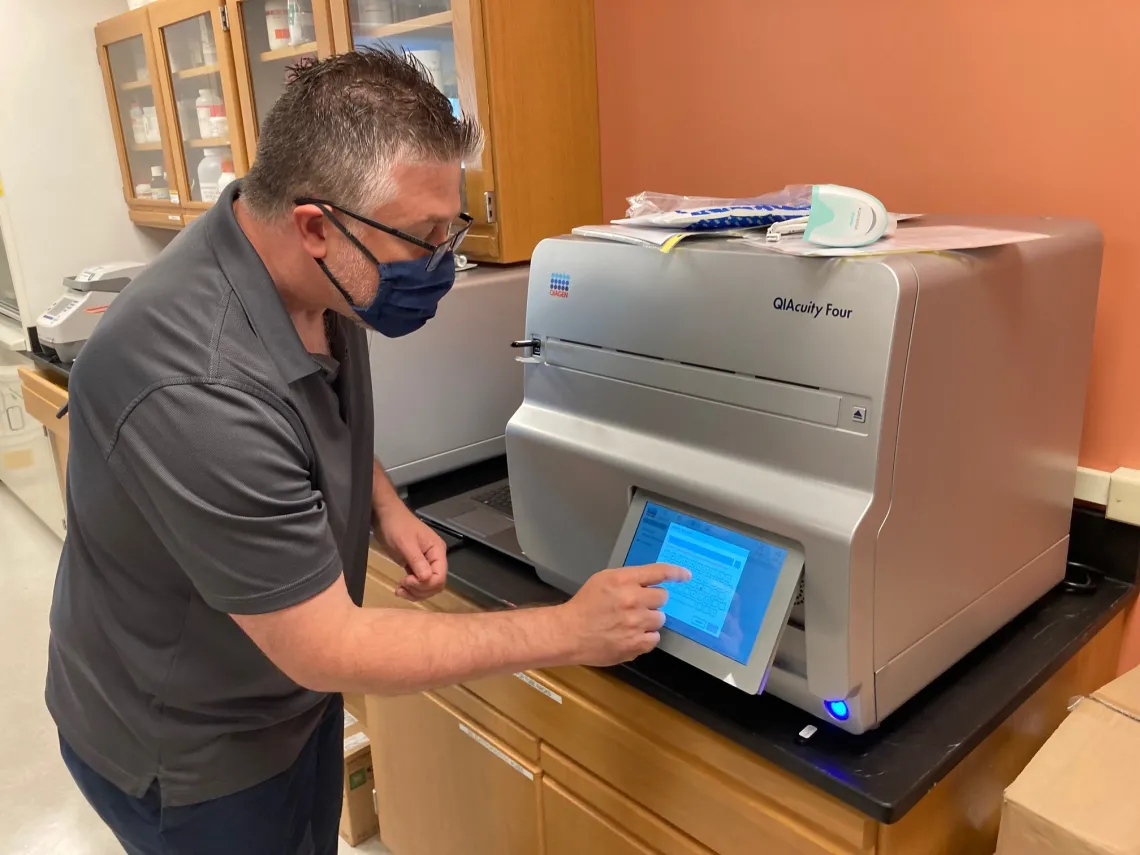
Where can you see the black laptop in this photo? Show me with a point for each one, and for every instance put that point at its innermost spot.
(484, 515)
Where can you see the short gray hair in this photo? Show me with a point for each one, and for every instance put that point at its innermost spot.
(340, 126)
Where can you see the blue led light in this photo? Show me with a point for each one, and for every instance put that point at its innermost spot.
(838, 709)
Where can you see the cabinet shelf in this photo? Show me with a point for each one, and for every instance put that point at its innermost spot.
(199, 71)
(288, 52)
(146, 146)
(135, 84)
(210, 142)
(440, 19)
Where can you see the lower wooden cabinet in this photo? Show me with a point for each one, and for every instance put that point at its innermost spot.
(570, 761)
(572, 827)
(42, 400)
(444, 786)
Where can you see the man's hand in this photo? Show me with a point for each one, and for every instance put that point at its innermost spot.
(423, 552)
(617, 615)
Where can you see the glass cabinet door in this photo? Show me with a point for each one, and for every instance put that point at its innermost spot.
(136, 108)
(445, 37)
(418, 28)
(269, 37)
(201, 97)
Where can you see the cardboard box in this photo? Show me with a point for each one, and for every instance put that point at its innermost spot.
(1081, 792)
(358, 819)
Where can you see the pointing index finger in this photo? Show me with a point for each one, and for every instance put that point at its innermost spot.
(655, 574)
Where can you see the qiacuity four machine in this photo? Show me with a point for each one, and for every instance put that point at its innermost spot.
(868, 464)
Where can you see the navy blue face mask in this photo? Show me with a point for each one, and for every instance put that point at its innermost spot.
(409, 291)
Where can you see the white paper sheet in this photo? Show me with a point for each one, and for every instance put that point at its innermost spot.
(662, 239)
(917, 238)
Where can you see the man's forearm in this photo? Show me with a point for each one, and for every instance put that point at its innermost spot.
(384, 495)
(397, 651)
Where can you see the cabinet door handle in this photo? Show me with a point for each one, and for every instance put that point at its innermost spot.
(510, 761)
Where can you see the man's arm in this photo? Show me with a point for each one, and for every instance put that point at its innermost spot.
(328, 644)
(385, 499)
(408, 538)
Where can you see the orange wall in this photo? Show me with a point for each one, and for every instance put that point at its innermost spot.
(985, 106)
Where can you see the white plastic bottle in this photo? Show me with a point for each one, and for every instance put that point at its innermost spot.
(300, 22)
(228, 176)
(209, 173)
(150, 124)
(202, 106)
(138, 124)
(277, 23)
(219, 122)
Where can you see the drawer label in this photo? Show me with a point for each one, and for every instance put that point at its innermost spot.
(518, 767)
(534, 684)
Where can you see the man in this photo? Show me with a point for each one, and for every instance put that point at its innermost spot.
(222, 485)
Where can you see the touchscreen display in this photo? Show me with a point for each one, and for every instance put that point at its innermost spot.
(734, 576)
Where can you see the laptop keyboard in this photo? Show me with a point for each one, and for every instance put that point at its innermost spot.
(497, 498)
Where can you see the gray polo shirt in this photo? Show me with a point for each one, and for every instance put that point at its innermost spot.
(216, 467)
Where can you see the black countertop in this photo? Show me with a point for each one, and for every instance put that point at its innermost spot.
(883, 773)
(60, 371)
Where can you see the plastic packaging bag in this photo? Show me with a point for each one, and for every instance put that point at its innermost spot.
(695, 213)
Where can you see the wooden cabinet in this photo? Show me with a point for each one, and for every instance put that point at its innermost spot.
(572, 827)
(581, 814)
(265, 45)
(619, 774)
(527, 71)
(199, 86)
(43, 400)
(524, 69)
(139, 118)
(446, 786)
(188, 82)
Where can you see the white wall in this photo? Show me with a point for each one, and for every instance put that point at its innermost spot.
(62, 185)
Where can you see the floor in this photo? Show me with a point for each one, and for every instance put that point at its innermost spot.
(41, 812)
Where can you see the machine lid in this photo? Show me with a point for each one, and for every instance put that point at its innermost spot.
(110, 286)
(111, 277)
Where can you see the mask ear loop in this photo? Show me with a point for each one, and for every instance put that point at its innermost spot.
(356, 242)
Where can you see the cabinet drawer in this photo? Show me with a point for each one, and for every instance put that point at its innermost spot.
(638, 761)
(664, 737)
(583, 814)
(42, 400)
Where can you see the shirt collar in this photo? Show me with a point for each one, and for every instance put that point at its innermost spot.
(246, 273)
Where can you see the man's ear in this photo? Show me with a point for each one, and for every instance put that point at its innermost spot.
(313, 230)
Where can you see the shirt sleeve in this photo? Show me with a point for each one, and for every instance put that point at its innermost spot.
(224, 482)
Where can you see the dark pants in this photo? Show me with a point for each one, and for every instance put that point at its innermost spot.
(294, 813)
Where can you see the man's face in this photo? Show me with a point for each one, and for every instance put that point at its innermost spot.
(425, 204)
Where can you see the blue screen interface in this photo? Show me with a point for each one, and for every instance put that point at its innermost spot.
(723, 605)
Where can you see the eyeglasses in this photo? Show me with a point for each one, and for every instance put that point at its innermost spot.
(456, 232)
